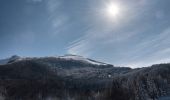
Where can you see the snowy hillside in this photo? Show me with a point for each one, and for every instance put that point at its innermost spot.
(81, 58)
(73, 77)
(7, 60)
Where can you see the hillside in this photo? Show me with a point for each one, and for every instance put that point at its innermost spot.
(72, 77)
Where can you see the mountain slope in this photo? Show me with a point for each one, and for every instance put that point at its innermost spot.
(11, 59)
(72, 77)
(151, 83)
(73, 74)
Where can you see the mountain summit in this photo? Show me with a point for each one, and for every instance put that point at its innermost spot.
(81, 58)
(10, 59)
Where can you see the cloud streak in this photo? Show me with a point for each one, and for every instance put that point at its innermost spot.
(53, 5)
(127, 43)
(35, 1)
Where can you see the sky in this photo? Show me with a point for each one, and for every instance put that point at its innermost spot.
(137, 35)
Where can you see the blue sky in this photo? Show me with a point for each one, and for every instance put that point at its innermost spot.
(138, 36)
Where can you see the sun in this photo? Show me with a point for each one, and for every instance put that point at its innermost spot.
(113, 10)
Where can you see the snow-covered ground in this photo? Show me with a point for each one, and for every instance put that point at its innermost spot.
(66, 57)
(12, 58)
(81, 58)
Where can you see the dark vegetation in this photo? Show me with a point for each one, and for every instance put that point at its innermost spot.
(58, 79)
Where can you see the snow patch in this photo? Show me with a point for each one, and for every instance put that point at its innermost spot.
(81, 58)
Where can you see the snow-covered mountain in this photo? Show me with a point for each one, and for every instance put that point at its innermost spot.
(81, 58)
(71, 66)
(67, 57)
(72, 77)
(10, 59)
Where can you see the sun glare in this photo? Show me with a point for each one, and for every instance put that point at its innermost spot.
(112, 10)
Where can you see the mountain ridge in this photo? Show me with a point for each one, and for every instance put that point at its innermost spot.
(74, 77)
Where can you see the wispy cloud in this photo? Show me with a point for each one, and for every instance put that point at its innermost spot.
(130, 42)
(53, 5)
(152, 51)
(138, 36)
(58, 21)
(57, 18)
(35, 1)
(79, 47)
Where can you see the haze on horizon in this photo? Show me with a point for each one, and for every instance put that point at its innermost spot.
(133, 33)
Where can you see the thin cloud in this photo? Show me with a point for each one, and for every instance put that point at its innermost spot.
(35, 1)
(53, 5)
(80, 49)
(130, 42)
(59, 21)
(150, 52)
(56, 17)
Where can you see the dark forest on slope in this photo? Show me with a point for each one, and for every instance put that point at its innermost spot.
(51, 78)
